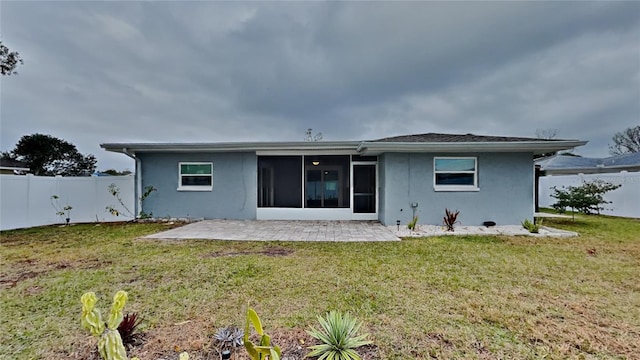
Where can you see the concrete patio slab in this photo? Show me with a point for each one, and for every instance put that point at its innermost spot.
(271, 230)
(336, 231)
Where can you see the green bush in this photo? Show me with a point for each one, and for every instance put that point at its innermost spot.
(587, 198)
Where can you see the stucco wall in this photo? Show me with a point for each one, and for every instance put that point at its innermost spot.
(505, 196)
(234, 186)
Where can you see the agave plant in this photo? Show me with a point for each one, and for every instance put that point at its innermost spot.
(229, 336)
(338, 334)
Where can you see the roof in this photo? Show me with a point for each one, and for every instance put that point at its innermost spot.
(440, 143)
(11, 164)
(438, 138)
(465, 143)
(568, 164)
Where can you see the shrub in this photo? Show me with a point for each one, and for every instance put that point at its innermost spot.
(450, 219)
(338, 336)
(587, 198)
(63, 211)
(114, 190)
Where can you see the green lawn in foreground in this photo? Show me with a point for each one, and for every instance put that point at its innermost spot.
(451, 297)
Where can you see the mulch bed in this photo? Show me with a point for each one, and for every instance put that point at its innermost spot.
(167, 343)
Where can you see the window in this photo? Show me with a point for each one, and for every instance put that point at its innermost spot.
(195, 176)
(455, 174)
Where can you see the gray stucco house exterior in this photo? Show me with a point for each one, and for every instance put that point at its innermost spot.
(486, 178)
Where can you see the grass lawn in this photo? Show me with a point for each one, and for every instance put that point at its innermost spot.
(448, 297)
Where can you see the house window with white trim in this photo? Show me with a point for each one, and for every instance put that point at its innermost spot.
(195, 176)
(455, 174)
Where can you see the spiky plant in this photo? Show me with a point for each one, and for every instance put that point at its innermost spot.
(229, 336)
(450, 219)
(338, 334)
(128, 328)
(532, 227)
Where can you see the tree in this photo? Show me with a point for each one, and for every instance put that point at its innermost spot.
(586, 199)
(546, 134)
(9, 60)
(625, 142)
(308, 136)
(46, 155)
(114, 172)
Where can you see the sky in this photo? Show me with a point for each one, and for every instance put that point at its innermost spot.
(205, 71)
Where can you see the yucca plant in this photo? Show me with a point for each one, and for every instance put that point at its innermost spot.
(338, 334)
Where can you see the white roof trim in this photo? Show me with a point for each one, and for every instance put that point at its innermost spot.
(231, 147)
(360, 147)
(537, 147)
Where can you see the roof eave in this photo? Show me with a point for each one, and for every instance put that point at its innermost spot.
(536, 147)
(228, 147)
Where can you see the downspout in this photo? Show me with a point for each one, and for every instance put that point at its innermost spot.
(137, 205)
(538, 173)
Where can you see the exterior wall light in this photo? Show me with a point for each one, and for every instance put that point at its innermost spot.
(315, 163)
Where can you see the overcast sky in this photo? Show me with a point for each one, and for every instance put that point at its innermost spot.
(98, 72)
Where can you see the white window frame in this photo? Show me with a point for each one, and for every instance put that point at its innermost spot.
(194, 187)
(473, 187)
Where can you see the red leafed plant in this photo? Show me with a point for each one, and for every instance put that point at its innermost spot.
(128, 329)
(450, 219)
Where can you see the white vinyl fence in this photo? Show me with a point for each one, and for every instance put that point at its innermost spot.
(625, 200)
(26, 200)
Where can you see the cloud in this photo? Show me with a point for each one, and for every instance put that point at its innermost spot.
(220, 71)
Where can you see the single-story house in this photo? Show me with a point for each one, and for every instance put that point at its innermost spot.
(13, 167)
(486, 178)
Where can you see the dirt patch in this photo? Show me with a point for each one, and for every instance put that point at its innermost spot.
(168, 342)
(440, 340)
(8, 281)
(270, 251)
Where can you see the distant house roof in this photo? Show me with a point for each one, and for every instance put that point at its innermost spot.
(568, 164)
(468, 138)
(10, 164)
(407, 143)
